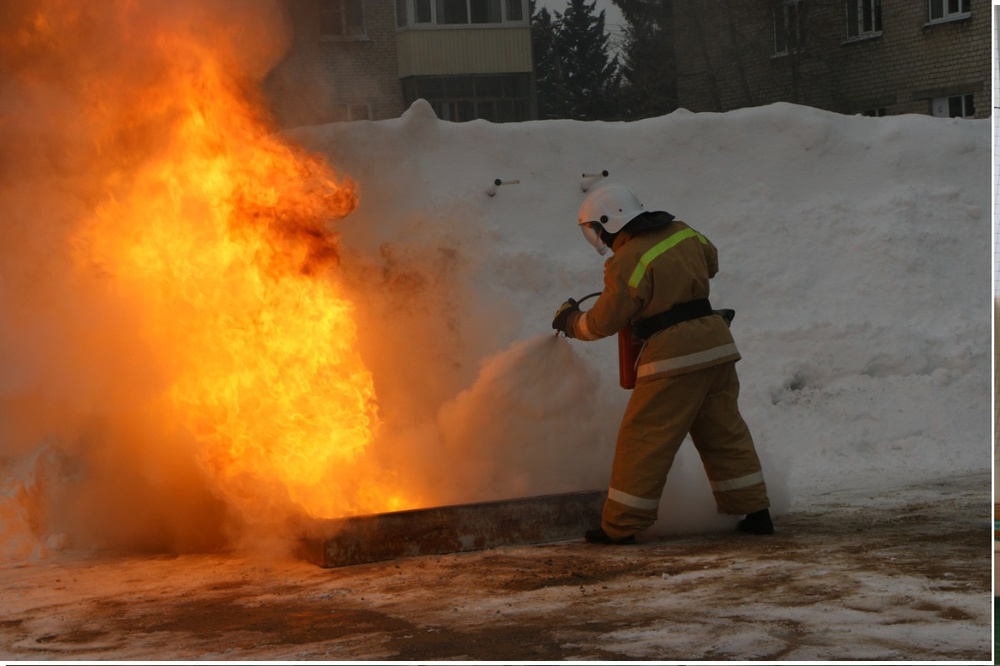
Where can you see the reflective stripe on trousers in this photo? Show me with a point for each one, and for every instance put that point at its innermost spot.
(738, 484)
(623, 497)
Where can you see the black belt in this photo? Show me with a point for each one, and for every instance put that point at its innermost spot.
(696, 309)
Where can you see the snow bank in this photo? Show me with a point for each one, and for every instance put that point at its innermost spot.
(854, 250)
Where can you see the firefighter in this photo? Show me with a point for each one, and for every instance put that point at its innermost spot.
(657, 282)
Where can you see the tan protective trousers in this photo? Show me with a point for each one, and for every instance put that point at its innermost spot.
(659, 415)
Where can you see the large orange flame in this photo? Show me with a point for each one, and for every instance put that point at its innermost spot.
(214, 230)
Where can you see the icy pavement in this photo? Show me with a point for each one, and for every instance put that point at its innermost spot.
(903, 574)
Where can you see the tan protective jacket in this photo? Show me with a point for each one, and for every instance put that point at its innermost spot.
(649, 273)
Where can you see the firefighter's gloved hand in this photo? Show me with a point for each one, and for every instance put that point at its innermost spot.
(561, 320)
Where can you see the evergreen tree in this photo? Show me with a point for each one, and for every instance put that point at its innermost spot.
(548, 80)
(576, 77)
(649, 74)
(591, 75)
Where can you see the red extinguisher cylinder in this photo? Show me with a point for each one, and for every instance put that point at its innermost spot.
(629, 346)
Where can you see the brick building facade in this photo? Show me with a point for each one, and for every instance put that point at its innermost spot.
(877, 57)
(336, 69)
(369, 59)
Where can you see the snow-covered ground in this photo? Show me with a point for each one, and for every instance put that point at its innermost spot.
(865, 577)
(856, 254)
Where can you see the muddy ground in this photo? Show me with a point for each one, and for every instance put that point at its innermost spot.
(904, 575)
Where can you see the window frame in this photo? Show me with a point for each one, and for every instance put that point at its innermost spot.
(496, 98)
(346, 112)
(439, 9)
(332, 7)
(429, 8)
(485, 9)
(433, 8)
(785, 33)
(965, 101)
(856, 19)
(946, 13)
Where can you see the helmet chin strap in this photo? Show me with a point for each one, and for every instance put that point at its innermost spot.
(607, 238)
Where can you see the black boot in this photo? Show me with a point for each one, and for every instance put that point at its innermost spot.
(600, 536)
(758, 522)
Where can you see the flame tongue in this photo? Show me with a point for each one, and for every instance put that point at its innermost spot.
(219, 241)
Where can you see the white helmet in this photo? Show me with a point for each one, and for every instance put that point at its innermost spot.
(610, 207)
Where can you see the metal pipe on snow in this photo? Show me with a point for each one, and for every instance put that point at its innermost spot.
(591, 178)
(497, 183)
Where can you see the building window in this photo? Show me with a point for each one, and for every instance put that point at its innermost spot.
(459, 12)
(515, 10)
(945, 10)
(341, 18)
(956, 106)
(788, 28)
(346, 112)
(485, 11)
(450, 12)
(499, 98)
(874, 113)
(864, 18)
(422, 11)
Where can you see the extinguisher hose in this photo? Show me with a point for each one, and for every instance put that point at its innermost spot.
(581, 300)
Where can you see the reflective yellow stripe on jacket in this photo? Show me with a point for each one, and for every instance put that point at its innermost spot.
(652, 253)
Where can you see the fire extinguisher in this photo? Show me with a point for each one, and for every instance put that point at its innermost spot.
(629, 346)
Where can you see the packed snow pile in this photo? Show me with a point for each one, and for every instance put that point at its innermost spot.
(854, 250)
